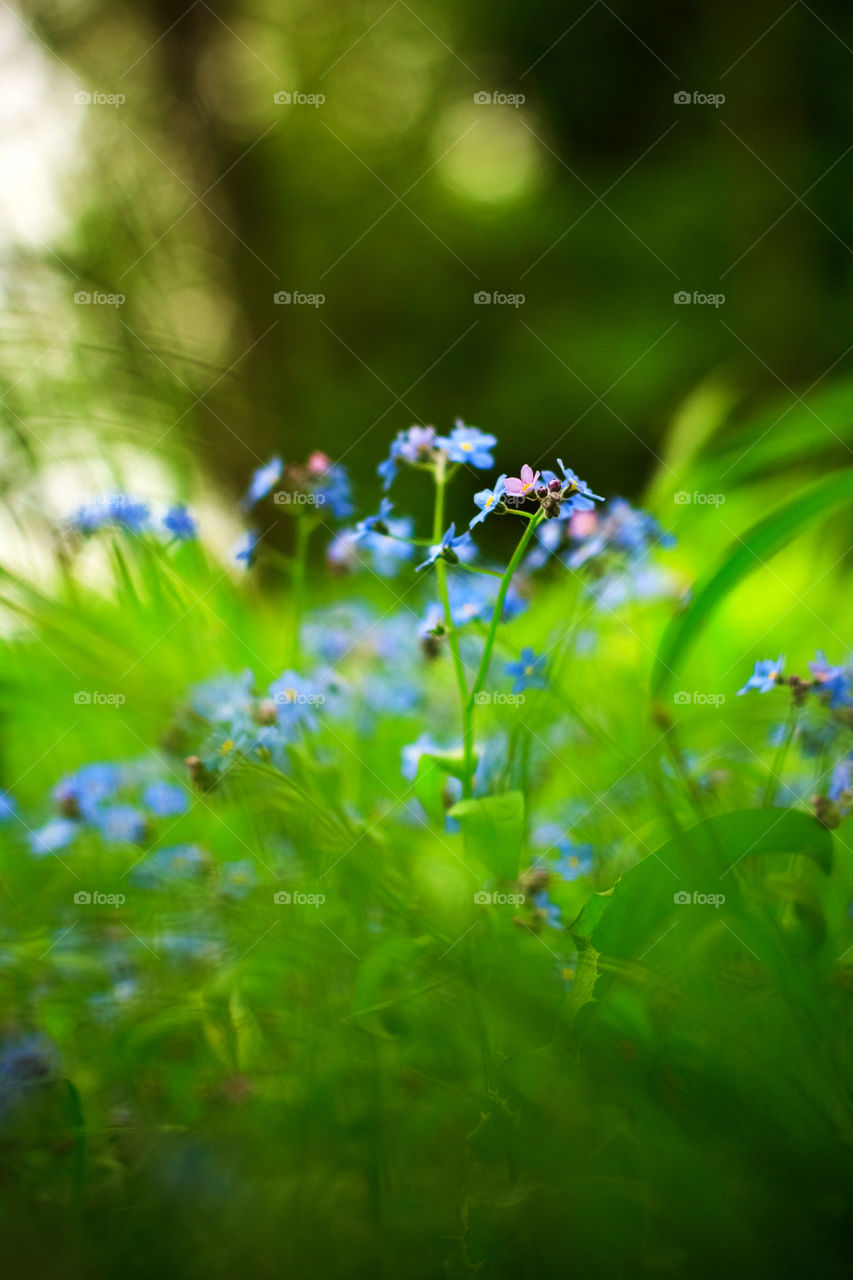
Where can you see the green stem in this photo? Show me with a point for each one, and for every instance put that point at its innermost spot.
(499, 604)
(298, 565)
(452, 637)
(775, 776)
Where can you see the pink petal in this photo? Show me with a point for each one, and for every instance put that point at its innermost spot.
(514, 485)
(527, 474)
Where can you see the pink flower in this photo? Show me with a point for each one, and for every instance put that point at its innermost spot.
(520, 488)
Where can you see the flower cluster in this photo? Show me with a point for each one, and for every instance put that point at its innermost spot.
(121, 511)
(421, 446)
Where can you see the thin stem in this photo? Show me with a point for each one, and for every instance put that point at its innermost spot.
(452, 637)
(499, 604)
(304, 529)
(775, 776)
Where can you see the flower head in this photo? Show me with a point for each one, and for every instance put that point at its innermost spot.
(165, 799)
(414, 445)
(180, 523)
(529, 671)
(468, 444)
(488, 501)
(263, 481)
(246, 548)
(447, 548)
(522, 486)
(578, 492)
(765, 676)
(834, 682)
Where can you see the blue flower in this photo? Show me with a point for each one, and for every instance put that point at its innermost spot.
(377, 523)
(447, 548)
(8, 807)
(333, 488)
(575, 860)
(165, 799)
(180, 523)
(263, 481)
(764, 676)
(487, 500)
(529, 671)
(56, 834)
(112, 510)
(295, 700)
(237, 878)
(120, 824)
(841, 784)
(81, 793)
(580, 496)
(468, 444)
(832, 681)
(414, 445)
(178, 862)
(224, 699)
(411, 758)
(246, 548)
(552, 913)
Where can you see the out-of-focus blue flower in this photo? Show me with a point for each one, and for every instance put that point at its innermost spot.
(8, 807)
(295, 700)
(178, 862)
(487, 500)
(575, 860)
(763, 678)
(377, 523)
(263, 481)
(165, 799)
(411, 757)
(80, 794)
(180, 523)
(620, 528)
(224, 699)
(237, 878)
(56, 834)
(841, 783)
(552, 913)
(447, 548)
(112, 510)
(332, 488)
(834, 682)
(529, 671)
(246, 548)
(26, 1062)
(414, 445)
(120, 824)
(468, 444)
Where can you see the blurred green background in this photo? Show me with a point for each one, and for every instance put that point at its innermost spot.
(400, 197)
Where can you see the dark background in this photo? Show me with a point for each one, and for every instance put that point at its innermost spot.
(598, 199)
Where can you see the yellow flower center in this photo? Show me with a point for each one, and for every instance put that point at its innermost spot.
(227, 746)
(466, 447)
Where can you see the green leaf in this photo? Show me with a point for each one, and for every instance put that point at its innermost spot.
(493, 831)
(707, 859)
(744, 555)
